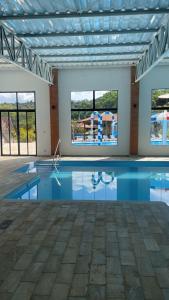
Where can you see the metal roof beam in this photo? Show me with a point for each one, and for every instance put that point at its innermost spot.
(61, 47)
(17, 53)
(134, 60)
(92, 54)
(155, 52)
(84, 14)
(85, 33)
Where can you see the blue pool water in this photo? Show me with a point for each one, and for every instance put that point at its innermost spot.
(159, 143)
(114, 143)
(101, 180)
(108, 143)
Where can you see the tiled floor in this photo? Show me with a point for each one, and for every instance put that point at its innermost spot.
(10, 180)
(83, 251)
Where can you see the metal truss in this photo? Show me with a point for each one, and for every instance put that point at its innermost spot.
(86, 46)
(155, 52)
(16, 52)
(85, 14)
(92, 54)
(131, 60)
(84, 33)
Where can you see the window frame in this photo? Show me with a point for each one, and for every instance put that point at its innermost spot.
(94, 106)
(18, 110)
(112, 110)
(17, 102)
(157, 109)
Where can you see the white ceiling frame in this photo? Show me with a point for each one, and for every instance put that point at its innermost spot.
(156, 51)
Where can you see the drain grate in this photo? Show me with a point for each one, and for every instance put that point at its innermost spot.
(5, 224)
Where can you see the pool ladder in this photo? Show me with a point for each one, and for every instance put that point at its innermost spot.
(57, 154)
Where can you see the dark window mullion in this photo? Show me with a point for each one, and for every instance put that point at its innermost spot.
(15, 110)
(18, 131)
(27, 132)
(94, 107)
(99, 109)
(160, 108)
(9, 129)
(35, 129)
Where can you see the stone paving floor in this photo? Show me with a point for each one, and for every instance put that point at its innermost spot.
(84, 250)
(79, 251)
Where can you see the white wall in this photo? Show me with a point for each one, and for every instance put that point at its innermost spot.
(23, 81)
(157, 78)
(94, 79)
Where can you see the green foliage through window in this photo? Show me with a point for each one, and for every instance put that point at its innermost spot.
(85, 129)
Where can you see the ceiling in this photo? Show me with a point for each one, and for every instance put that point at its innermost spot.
(76, 33)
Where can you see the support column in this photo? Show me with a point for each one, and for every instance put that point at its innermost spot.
(134, 113)
(54, 111)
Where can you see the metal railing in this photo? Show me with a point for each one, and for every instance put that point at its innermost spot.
(57, 175)
(57, 154)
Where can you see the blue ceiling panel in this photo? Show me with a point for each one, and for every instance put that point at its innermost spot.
(62, 28)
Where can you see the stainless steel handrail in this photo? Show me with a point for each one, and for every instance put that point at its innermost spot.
(57, 180)
(57, 157)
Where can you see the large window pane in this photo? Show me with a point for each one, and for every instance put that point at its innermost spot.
(160, 127)
(26, 101)
(81, 130)
(110, 128)
(8, 101)
(156, 128)
(31, 133)
(23, 135)
(18, 129)
(94, 118)
(160, 98)
(106, 99)
(92, 129)
(5, 133)
(13, 133)
(82, 100)
(160, 117)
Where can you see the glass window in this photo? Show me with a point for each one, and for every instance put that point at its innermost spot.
(13, 133)
(26, 101)
(82, 100)
(160, 98)
(23, 133)
(94, 118)
(31, 133)
(106, 99)
(81, 130)
(18, 123)
(159, 134)
(5, 133)
(8, 101)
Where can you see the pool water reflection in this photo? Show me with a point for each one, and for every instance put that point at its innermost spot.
(86, 183)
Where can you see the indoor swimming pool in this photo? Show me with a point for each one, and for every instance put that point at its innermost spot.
(99, 180)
